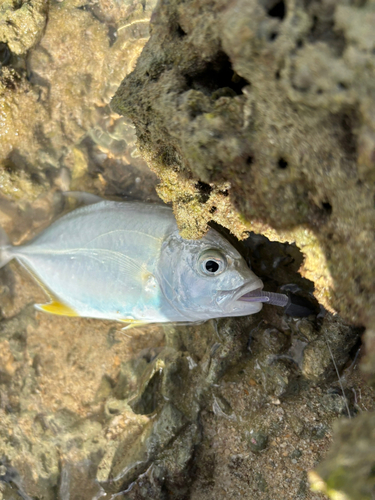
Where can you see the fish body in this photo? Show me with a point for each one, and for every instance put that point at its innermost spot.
(126, 261)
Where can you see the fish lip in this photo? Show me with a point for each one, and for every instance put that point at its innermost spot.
(229, 297)
(243, 290)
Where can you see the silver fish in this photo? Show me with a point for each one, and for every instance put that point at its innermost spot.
(126, 261)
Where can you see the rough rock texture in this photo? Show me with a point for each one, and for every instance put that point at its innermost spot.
(22, 25)
(348, 471)
(239, 408)
(274, 99)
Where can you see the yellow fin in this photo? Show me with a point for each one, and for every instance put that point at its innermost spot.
(56, 307)
(133, 323)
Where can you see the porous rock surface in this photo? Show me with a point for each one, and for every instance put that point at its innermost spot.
(236, 408)
(348, 471)
(240, 408)
(271, 102)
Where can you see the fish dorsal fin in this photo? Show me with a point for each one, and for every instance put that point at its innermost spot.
(57, 307)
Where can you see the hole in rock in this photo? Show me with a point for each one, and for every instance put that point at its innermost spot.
(204, 189)
(356, 349)
(218, 74)
(282, 163)
(249, 160)
(180, 32)
(5, 54)
(278, 10)
(327, 207)
(273, 36)
(277, 264)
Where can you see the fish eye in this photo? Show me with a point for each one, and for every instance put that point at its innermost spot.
(212, 263)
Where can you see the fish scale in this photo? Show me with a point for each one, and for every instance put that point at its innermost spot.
(126, 261)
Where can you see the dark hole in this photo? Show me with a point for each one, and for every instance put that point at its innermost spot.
(278, 10)
(180, 32)
(277, 75)
(356, 349)
(205, 190)
(319, 91)
(211, 266)
(273, 36)
(299, 44)
(249, 160)
(213, 210)
(217, 74)
(282, 163)
(203, 187)
(225, 192)
(342, 86)
(5, 54)
(327, 207)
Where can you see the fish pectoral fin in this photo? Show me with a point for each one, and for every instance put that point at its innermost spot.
(132, 323)
(56, 307)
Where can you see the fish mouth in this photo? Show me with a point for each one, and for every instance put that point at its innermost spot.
(249, 293)
(234, 301)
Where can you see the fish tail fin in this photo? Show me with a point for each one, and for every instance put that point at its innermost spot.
(5, 247)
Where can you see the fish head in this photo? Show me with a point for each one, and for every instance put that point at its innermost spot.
(205, 278)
